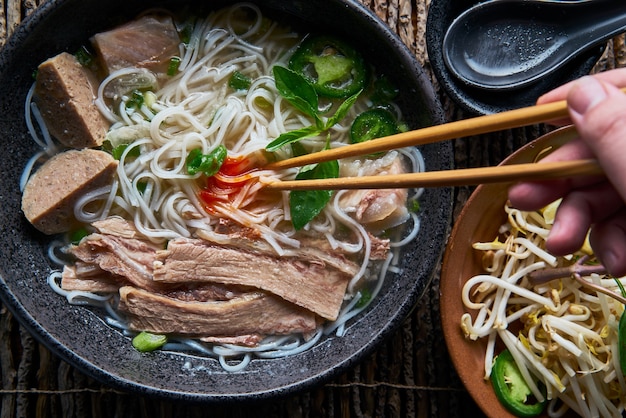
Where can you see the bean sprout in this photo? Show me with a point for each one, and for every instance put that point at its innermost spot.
(568, 336)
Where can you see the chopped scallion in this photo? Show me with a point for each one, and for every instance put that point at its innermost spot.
(146, 341)
(172, 68)
(208, 164)
(84, 57)
(239, 81)
(135, 100)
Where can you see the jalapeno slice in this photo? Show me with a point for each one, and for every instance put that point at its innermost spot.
(334, 68)
(511, 388)
(373, 123)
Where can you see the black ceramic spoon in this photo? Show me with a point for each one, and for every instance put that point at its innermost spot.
(508, 44)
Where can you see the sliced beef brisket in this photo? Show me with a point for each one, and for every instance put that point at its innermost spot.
(249, 314)
(237, 290)
(130, 258)
(306, 283)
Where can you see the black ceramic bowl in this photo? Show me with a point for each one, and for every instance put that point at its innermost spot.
(441, 13)
(79, 335)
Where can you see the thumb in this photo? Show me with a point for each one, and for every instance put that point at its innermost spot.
(598, 110)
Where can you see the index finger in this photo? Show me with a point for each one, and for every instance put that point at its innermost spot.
(616, 77)
(534, 195)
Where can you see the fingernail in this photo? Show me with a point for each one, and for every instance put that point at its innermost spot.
(585, 94)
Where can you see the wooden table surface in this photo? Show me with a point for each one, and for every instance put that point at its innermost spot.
(411, 375)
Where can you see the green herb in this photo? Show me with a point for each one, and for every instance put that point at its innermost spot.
(621, 332)
(84, 57)
(297, 149)
(301, 94)
(135, 100)
(305, 205)
(208, 164)
(621, 342)
(621, 287)
(141, 186)
(172, 68)
(332, 63)
(342, 111)
(146, 341)
(185, 33)
(77, 235)
(366, 297)
(292, 136)
(239, 81)
(298, 91)
(117, 151)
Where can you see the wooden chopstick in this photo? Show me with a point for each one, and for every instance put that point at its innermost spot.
(462, 177)
(457, 129)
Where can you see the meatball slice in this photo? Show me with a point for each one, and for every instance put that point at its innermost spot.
(65, 94)
(52, 191)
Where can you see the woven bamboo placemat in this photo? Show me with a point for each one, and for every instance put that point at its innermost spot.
(409, 376)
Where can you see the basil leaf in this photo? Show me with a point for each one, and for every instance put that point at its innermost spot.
(305, 205)
(342, 111)
(297, 90)
(117, 151)
(208, 164)
(297, 149)
(292, 136)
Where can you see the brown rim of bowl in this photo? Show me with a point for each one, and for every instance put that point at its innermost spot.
(479, 220)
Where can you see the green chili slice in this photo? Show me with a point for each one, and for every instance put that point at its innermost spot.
(334, 68)
(373, 123)
(146, 341)
(511, 388)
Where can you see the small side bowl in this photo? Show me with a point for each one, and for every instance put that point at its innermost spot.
(479, 221)
(441, 13)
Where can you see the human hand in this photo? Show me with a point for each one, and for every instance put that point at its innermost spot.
(598, 109)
